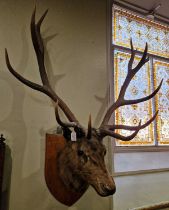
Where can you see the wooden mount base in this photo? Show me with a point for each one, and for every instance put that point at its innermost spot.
(54, 144)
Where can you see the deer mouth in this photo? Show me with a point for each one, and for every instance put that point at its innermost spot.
(104, 189)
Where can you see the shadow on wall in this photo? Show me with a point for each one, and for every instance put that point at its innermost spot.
(10, 125)
(4, 205)
(22, 188)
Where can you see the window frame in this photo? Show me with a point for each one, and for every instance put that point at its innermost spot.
(135, 148)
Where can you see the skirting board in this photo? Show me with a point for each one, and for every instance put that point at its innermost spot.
(161, 205)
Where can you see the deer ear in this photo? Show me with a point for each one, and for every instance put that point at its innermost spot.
(67, 133)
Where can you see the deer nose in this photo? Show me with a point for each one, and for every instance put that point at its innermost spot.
(109, 190)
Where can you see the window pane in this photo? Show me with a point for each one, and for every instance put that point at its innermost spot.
(138, 88)
(127, 25)
(161, 71)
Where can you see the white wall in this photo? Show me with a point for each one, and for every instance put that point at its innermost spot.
(76, 61)
(138, 190)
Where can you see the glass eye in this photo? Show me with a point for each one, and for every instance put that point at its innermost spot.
(80, 152)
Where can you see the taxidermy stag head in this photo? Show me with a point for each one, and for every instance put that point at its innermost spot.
(81, 162)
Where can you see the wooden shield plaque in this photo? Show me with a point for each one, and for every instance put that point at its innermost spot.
(54, 144)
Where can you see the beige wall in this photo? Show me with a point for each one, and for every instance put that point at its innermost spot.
(139, 190)
(77, 65)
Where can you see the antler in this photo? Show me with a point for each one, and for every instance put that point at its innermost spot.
(39, 50)
(46, 88)
(109, 130)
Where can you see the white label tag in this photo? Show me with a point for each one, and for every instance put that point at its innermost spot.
(73, 136)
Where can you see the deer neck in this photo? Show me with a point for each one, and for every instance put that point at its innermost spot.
(70, 178)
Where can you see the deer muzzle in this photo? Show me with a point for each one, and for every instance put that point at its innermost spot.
(107, 190)
(105, 186)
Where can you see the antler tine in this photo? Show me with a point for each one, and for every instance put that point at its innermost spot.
(60, 122)
(42, 18)
(131, 128)
(39, 50)
(132, 55)
(21, 78)
(106, 132)
(136, 101)
(143, 60)
(38, 45)
(89, 130)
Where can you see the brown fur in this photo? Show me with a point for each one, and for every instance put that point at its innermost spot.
(81, 164)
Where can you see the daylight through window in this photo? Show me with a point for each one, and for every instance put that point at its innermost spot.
(127, 25)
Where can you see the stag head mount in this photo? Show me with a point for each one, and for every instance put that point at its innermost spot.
(87, 168)
(81, 163)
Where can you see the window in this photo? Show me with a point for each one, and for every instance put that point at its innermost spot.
(127, 25)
